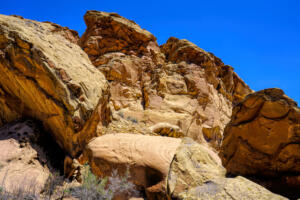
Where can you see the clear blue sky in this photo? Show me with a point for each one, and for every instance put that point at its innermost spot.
(260, 39)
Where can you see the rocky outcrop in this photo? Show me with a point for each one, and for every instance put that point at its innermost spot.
(26, 161)
(169, 168)
(127, 36)
(178, 83)
(45, 75)
(148, 159)
(262, 138)
(196, 173)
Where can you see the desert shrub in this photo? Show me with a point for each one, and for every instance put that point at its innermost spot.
(92, 188)
(23, 191)
(51, 184)
(121, 184)
(106, 188)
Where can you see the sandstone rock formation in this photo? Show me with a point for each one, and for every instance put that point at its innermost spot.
(164, 166)
(24, 163)
(262, 138)
(116, 84)
(45, 75)
(148, 159)
(177, 84)
(196, 173)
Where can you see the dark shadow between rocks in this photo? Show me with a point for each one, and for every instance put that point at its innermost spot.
(276, 185)
(31, 132)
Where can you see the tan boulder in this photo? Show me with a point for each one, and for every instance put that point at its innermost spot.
(262, 139)
(148, 159)
(196, 173)
(24, 162)
(46, 75)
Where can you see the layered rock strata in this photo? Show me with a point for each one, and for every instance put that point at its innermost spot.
(177, 84)
(45, 75)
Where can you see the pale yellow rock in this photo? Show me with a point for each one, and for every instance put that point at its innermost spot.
(46, 75)
(196, 173)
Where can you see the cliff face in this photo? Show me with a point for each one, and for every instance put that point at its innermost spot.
(45, 75)
(88, 92)
(176, 90)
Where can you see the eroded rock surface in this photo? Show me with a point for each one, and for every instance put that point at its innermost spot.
(46, 75)
(25, 163)
(196, 173)
(148, 159)
(177, 84)
(170, 168)
(262, 138)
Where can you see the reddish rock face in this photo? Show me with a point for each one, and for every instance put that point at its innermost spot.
(262, 138)
(177, 84)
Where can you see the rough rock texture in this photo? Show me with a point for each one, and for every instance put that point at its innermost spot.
(147, 157)
(263, 138)
(45, 75)
(196, 173)
(24, 163)
(177, 84)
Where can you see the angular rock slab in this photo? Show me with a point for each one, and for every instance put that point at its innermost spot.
(147, 157)
(262, 138)
(196, 173)
(46, 75)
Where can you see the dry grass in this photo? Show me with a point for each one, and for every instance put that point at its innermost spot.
(92, 188)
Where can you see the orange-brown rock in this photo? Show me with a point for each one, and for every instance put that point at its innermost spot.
(127, 35)
(46, 75)
(262, 138)
(148, 159)
(178, 83)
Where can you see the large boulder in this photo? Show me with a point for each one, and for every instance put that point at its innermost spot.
(147, 158)
(196, 173)
(263, 139)
(177, 84)
(169, 168)
(28, 157)
(45, 75)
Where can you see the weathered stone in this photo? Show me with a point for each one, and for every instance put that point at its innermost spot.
(196, 173)
(262, 139)
(127, 35)
(45, 75)
(25, 159)
(147, 157)
(177, 83)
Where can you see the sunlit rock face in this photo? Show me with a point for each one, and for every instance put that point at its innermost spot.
(262, 138)
(177, 84)
(45, 75)
(196, 172)
(170, 168)
(146, 157)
